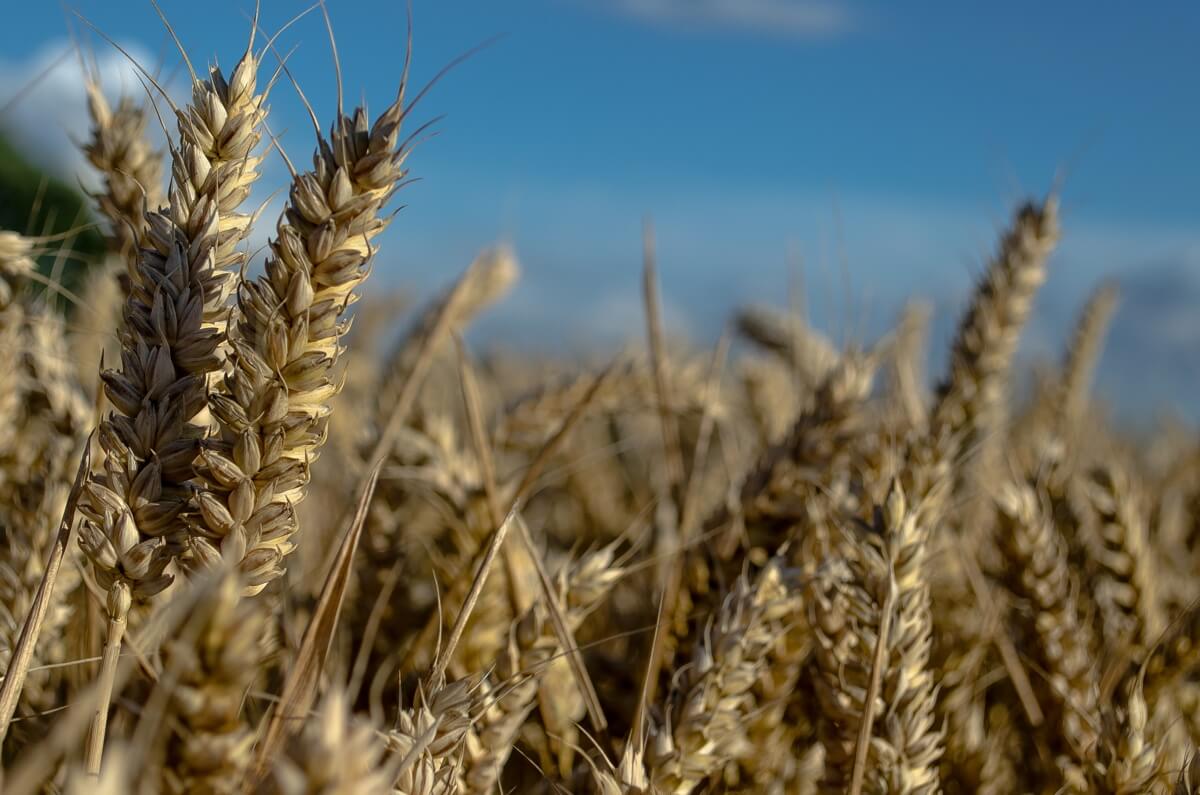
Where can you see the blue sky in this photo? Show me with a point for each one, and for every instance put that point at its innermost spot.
(890, 140)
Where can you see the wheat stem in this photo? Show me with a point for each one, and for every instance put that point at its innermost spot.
(862, 743)
(119, 599)
(18, 666)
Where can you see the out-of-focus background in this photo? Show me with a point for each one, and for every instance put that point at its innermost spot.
(845, 154)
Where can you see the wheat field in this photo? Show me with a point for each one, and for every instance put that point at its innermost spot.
(251, 546)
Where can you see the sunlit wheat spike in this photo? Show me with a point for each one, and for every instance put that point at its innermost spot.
(273, 403)
(987, 337)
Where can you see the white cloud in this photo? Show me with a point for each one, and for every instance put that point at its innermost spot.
(45, 115)
(45, 104)
(789, 18)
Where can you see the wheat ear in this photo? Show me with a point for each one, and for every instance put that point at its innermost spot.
(131, 168)
(1125, 589)
(489, 278)
(715, 694)
(16, 263)
(272, 410)
(170, 336)
(429, 739)
(1036, 571)
(1083, 352)
(117, 778)
(210, 665)
(784, 496)
(34, 379)
(337, 753)
(907, 363)
(967, 401)
(629, 777)
(45, 419)
(1173, 657)
(170, 346)
(882, 579)
(531, 650)
(1127, 759)
(910, 747)
(999, 774)
(804, 349)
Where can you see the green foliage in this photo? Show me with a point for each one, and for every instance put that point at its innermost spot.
(41, 205)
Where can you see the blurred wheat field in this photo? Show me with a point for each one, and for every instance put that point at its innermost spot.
(251, 546)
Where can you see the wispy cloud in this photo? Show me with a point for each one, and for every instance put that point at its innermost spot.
(45, 105)
(857, 260)
(1149, 355)
(788, 18)
(44, 113)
